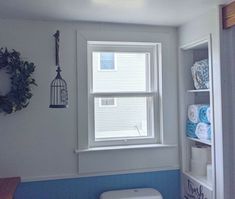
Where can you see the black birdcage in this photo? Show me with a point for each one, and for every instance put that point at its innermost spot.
(58, 88)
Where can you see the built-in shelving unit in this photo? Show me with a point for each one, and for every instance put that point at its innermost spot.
(188, 95)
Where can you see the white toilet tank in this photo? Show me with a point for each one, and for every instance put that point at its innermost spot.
(146, 193)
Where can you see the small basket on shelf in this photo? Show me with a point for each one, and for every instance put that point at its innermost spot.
(200, 74)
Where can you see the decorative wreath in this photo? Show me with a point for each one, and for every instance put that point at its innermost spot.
(20, 76)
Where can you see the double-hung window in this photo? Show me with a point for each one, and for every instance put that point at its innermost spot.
(123, 104)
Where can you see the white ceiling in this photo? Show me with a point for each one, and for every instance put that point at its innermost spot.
(155, 12)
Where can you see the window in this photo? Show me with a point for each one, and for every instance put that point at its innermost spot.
(107, 102)
(106, 61)
(134, 87)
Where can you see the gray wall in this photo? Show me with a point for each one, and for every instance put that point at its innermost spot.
(228, 72)
(38, 142)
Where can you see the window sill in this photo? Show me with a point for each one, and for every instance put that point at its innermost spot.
(110, 148)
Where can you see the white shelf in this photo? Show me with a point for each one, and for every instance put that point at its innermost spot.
(200, 179)
(198, 91)
(207, 142)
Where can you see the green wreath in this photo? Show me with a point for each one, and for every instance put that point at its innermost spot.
(20, 76)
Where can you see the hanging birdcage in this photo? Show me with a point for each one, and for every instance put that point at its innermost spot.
(58, 88)
(58, 93)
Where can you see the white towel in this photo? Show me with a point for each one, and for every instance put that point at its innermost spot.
(193, 113)
(203, 131)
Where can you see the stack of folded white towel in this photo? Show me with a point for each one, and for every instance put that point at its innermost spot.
(199, 121)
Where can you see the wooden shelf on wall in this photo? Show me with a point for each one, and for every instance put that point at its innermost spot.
(228, 14)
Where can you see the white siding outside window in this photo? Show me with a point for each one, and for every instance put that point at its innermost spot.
(123, 104)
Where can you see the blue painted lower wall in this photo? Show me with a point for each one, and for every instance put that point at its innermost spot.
(167, 182)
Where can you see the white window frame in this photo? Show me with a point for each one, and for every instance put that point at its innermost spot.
(113, 105)
(154, 49)
(107, 70)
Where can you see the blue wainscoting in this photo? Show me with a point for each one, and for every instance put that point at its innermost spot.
(167, 182)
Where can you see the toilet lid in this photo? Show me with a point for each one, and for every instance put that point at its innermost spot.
(144, 193)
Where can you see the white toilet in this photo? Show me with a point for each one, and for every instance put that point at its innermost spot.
(146, 193)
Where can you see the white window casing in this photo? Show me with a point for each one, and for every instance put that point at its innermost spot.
(151, 94)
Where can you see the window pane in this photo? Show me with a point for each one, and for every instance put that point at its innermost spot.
(128, 119)
(130, 74)
(107, 61)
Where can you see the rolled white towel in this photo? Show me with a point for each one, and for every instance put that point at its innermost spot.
(193, 113)
(203, 131)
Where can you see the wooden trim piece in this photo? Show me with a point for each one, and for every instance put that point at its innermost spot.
(228, 14)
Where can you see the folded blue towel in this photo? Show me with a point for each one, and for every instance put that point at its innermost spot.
(204, 114)
(191, 129)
